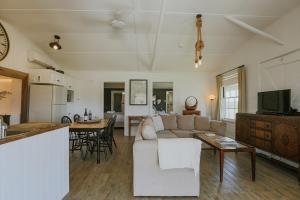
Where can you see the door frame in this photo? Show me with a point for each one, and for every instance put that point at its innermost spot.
(112, 99)
(24, 96)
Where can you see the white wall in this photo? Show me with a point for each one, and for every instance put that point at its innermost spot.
(17, 59)
(19, 47)
(89, 87)
(259, 49)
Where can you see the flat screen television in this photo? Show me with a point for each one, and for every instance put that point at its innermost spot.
(274, 102)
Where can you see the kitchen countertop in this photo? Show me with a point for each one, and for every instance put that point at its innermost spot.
(21, 131)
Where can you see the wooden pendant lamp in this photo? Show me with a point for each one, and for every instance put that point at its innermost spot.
(199, 43)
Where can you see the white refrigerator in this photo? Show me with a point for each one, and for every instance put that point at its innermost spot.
(47, 103)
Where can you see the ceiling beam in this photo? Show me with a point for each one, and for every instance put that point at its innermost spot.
(157, 36)
(135, 10)
(109, 11)
(253, 29)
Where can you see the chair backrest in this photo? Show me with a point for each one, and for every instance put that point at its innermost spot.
(107, 128)
(76, 118)
(113, 118)
(66, 120)
(112, 124)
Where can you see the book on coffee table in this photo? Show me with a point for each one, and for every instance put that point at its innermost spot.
(226, 141)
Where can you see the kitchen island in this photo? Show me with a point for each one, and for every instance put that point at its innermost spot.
(34, 162)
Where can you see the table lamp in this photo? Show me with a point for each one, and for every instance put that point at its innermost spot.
(211, 98)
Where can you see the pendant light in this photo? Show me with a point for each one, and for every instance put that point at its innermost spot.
(55, 44)
(199, 43)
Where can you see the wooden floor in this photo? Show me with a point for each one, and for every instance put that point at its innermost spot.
(112, 179)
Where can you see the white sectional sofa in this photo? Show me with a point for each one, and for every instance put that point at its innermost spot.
(148, 178)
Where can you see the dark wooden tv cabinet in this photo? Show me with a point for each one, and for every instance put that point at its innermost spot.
(279, 135)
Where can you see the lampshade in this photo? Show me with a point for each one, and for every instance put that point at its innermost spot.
(212, 97)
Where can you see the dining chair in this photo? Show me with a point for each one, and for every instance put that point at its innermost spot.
(76, 118)
(104, 139)
(72, 136)
(66, 120)
(82, 139)
(114, 118)
(107, 136)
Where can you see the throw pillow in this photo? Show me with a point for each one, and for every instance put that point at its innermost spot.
(138, 135)
(202, 123)
(169, 121)
(148, 132)
(148, 121)
(158, 123)
(186, 122)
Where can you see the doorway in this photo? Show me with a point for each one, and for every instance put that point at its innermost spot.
(114, 101)
(14, 96)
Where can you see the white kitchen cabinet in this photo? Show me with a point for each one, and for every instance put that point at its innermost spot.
(36, 167)
(46, 76)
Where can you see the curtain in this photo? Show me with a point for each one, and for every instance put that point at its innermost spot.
(219, 79)
(242, 89)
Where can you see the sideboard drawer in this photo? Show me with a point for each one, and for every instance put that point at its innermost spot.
(260, 134)
(268, 135)
(268, 126)
(260, 124)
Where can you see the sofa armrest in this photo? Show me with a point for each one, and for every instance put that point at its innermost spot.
(218, 126)
(145, 154)
(150, 180)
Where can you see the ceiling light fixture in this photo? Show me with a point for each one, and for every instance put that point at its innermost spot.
(55, 44)
(199, 43)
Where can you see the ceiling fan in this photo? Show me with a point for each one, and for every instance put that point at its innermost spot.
(119, 20)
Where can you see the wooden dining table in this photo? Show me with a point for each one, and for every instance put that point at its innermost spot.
(88, 128)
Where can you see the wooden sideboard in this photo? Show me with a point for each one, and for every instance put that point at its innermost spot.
(279, 135)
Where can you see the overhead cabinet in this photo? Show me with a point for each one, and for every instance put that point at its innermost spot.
(46, 76)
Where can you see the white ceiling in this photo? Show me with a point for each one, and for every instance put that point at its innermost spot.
(89, 41)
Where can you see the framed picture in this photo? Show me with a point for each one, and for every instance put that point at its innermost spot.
(138, 92)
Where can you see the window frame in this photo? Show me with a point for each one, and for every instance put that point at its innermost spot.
(224, 101)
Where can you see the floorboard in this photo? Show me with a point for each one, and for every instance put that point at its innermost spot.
(112, 178)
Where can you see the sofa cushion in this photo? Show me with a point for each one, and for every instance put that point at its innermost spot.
(158, 123)
(163, 132)
(185, 122)
(148, 121)
(218, 127)
(183, 133)
(169, 121)
(167, 135)
(202, 123)
(148, 132)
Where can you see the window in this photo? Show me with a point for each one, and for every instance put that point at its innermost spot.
(229, 103)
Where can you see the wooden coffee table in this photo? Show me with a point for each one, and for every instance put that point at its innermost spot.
(239, 147)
